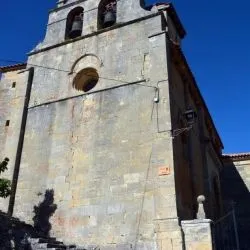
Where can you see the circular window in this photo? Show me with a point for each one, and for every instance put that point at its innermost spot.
(86, 79)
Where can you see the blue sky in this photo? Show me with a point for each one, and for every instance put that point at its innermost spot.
(217, 47)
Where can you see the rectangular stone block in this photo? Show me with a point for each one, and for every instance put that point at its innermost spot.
(197, 234)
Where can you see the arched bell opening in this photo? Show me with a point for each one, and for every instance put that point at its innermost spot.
(86, 79)
(107, 13)
(74, 23)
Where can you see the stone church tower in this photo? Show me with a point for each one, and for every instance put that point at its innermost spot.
(99, 117)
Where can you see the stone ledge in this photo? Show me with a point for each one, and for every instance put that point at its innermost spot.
(196, 221)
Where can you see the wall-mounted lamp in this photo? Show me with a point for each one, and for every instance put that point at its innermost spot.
(190, 117)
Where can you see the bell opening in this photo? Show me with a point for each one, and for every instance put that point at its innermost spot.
(74, 23)
(74, 34)
(109, 19)
(76, 29)
(107, 13)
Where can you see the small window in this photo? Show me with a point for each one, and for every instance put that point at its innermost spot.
(13, 85)
(7, 123)
(86, 79)
(107, 13)
(74, 23)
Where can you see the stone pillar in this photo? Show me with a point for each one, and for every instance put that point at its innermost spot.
(197, 232)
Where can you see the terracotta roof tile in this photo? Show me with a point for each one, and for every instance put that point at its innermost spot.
(239, 156)
(13, 67)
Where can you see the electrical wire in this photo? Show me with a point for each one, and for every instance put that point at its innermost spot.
(143, 200)
(67, 71)
(61, 70)
(176, 132)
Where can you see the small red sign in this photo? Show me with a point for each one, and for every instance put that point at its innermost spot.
(163, 171)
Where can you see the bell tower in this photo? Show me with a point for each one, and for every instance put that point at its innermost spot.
(86, 17)
(98, 126)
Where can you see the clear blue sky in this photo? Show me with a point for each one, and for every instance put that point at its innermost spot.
(217, 47)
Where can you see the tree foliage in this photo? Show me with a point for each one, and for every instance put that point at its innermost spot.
(5, 185)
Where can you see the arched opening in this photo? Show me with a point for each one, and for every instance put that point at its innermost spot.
(86, 79)
(107, 13)
(74, 23)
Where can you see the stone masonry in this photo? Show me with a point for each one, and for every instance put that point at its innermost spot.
(235, 187)
(101, 151)
(120, 176)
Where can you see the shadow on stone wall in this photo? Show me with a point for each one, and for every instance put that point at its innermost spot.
(14, 233)
(43, 212)
(235, 191)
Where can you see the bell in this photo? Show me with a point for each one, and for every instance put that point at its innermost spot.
(109, 19)
(76, 29)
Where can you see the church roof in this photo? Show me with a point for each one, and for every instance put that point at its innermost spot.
(13, 67)
(180, 59)
(237, 157)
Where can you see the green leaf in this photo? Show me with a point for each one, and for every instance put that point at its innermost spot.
(3, 165)
(5, 188)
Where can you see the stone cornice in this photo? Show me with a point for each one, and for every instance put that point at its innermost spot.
(66, 6)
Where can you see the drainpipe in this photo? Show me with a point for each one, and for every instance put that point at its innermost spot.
(20, 142)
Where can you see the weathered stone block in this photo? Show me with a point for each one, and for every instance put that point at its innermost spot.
(197, 234)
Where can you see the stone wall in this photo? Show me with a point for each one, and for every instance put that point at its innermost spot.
(117, 176)
(235, 188)
(12, 94)
(127, 10)
(197, 161)
(14, 233)
(107, 154)
(197, 234)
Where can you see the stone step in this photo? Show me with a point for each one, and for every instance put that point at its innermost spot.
(48, 246)
(49, 243)
(38, 248)
(42, 240)
(59, 246)
(54, 248)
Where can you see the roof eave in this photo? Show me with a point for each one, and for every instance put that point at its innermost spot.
(169, 7)
(236, 157)
(177, 21)
(195, 85)
(14, 67)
